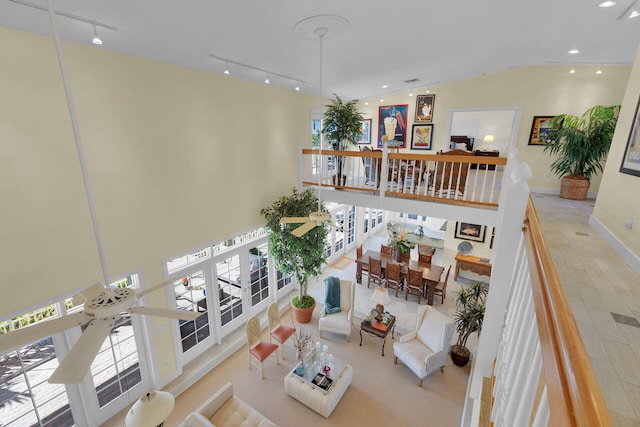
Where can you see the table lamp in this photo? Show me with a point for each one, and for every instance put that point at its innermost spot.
(381, 298)
(150, 410)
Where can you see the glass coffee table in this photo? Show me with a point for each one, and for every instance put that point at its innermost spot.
(379, 329)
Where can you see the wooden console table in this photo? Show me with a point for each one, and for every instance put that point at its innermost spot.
(472, 263)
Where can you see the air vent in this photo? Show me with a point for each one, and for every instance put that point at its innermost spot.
(411, 81)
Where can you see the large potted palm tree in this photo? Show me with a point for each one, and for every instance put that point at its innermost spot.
(301, 256)
(469, 315)
(342, 123)
(581, 144)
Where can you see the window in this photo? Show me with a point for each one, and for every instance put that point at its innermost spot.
(191, 293)
(187, 260)
(259, 274)
(26, 398)
(228, 270)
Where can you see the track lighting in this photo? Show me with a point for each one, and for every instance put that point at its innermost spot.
(268, 74)
(96, 38)
(631, 11)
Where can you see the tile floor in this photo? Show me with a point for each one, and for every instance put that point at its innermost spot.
(604, 294)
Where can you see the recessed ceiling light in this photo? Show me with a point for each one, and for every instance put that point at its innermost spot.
(599, 72)
(573, 51)
(427, 91)
(366, 103)
(573, 71)
(607, 3)
(381, 100)
(385, 86)
(410, 94)
(634, 14)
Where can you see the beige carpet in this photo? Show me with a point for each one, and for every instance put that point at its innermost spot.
(343, 262)
(381, 394)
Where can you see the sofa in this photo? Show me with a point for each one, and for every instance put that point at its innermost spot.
(224, 409)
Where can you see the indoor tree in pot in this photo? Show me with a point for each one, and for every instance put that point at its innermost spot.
(301, 256)
(470, 305)
(581, 144)
(342, 123)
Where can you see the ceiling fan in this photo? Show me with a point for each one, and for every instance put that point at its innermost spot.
(102, 307)
(315, 219)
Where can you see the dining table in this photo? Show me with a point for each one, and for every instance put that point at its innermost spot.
(431, 273)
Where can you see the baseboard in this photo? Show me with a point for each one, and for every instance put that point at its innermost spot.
(629, 257)
(556, 192)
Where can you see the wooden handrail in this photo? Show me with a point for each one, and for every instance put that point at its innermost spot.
(574, 394)
(411, 156)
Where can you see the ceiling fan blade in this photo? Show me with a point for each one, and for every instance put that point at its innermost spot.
(293, 219)
(29, 334)
(165, 312)
(92, 291)
(303, 229)
(155, 287)
(75, 365)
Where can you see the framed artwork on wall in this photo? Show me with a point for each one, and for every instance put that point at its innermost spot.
(473, 232)
(541, 131)
(392, 123)
(364, 137)
(424, 108)
(631, 159)
(421, 137)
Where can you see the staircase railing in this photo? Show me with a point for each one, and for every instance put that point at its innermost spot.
(542, 374)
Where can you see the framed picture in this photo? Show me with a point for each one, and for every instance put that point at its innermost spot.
(424, 108)
(392, 123)
(473, 232)
(421, 136)
(631, 160)
(364, 137)
(541, 131)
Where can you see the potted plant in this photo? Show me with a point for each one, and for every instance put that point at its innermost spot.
(470, 305)
(342, 123)
(399, 241)
(301, 256)
(581, 144)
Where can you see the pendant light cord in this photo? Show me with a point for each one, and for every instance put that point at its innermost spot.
(76, 136)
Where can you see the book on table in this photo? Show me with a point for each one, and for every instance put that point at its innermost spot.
(380, 326)
(322, 381)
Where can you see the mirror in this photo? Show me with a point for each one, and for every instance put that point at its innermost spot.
(486, 129)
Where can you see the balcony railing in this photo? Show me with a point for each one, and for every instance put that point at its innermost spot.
(468, 180)
(542, 373)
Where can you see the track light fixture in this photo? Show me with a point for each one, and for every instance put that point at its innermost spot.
(631, 11)
(268, 74)
(96, 38)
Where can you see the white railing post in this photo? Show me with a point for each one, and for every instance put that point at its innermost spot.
(384, 171)
(511, 213)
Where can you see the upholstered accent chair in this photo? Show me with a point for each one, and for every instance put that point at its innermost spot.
(340, 322)
(425, 349)
(258, 350)
(278, 332)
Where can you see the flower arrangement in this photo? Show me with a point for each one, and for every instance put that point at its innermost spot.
(401, 242)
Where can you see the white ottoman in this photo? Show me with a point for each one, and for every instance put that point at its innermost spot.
(314, 398)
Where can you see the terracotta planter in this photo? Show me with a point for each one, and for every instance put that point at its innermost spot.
(460, 355)
(574, 188)
(302, 315)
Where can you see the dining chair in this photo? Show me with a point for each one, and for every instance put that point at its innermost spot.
(424, 258)
(386, 251)
(392, 276)
(258, 350)
(414, 284)
(278, 332)
(426, 249)
(441, 287)
(375, 272)
(365, 268)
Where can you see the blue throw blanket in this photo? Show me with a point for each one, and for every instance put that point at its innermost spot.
(332, 299)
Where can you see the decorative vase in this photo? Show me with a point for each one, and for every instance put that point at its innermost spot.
(303, 315)
(460, 355)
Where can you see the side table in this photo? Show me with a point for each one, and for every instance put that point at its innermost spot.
(376, 329)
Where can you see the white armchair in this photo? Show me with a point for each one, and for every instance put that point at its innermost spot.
(340, 323)
(425, 349)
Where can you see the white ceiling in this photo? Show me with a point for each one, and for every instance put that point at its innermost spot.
(386, 42)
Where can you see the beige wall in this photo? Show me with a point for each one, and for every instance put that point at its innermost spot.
(539, 90)
(618, 199)
(177, 158)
